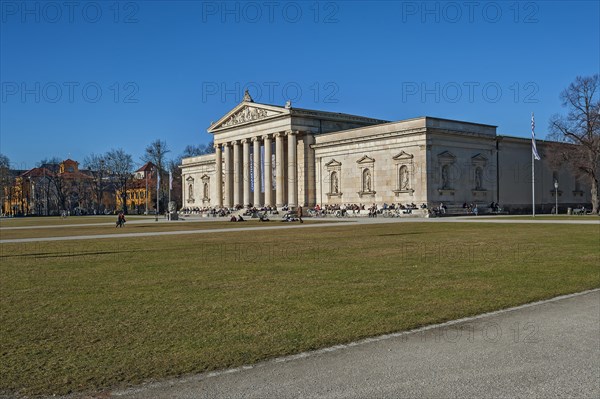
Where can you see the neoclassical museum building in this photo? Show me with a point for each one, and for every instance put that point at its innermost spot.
(267, 155)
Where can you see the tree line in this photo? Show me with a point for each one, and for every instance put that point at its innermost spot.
(49, 190)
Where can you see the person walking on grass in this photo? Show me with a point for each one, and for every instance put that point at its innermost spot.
(299, 210)
(120, 220)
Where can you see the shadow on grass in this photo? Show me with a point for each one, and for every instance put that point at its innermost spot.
(48, 255)
(398, 234)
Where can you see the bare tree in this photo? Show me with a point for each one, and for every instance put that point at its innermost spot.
(97, 165)
(55, 185)
(156, 153)
(5, 180)
(580, 127)
(120, 167)
(196, 150)
(54, 162)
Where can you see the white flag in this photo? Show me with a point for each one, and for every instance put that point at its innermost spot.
(536, 156)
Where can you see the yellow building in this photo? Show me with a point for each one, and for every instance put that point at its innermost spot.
(141, 192)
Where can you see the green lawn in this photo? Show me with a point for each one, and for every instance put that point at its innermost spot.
(130, 227)
(83, 316)
(544, 217)
(59, 221)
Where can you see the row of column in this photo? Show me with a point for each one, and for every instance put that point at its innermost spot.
(236, 170)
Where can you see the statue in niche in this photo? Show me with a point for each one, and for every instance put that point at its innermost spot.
(445, 176)
(191, 192)
(205, 190)
(478, 179)
(367, 180)
(334, 183)
(404, 179)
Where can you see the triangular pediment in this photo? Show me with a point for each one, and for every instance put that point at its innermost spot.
(246, 113)
(365, 159)
(447, 155)
(403, 156)
(333, 163)
(478, 159)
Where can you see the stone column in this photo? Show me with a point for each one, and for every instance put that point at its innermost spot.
(218, 176)
(246, 167)
(256, 159)
(237, 173)
(280, 171)
(268, 171)
(227, 200)
(311, 184)
(292, 169)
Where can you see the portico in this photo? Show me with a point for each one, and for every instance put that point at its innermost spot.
(261, 153)
(249, 170)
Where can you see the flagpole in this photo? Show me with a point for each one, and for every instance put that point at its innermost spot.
(170, 185)
(157, 193)
(533, 184)
(534, 157)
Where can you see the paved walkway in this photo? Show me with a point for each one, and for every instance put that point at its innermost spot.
(549, 349)
(324, 222)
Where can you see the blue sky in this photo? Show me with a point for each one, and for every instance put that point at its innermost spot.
(81, 77)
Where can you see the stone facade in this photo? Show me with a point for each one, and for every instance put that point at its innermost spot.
(268, 155)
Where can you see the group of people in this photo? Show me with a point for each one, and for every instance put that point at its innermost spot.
(495, 207)
(293, 216)
(471, 208)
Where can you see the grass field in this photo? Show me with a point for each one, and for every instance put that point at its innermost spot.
(59, 221)
(130, 227)
(545, 217)
(84, 316)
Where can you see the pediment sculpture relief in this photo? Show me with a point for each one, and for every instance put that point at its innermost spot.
(247, 114)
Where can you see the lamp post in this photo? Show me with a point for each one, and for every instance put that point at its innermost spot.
(556, 196)
(157, 193)
(100, 185)
(146, 174)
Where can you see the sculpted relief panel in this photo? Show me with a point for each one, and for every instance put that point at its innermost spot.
(247, 114)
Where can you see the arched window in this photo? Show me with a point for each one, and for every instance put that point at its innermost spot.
(205, 190)
(190, 192)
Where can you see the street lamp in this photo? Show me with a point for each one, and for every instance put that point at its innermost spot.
(157, 193)
(556, 196)
(100, 191)
(146, 194)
